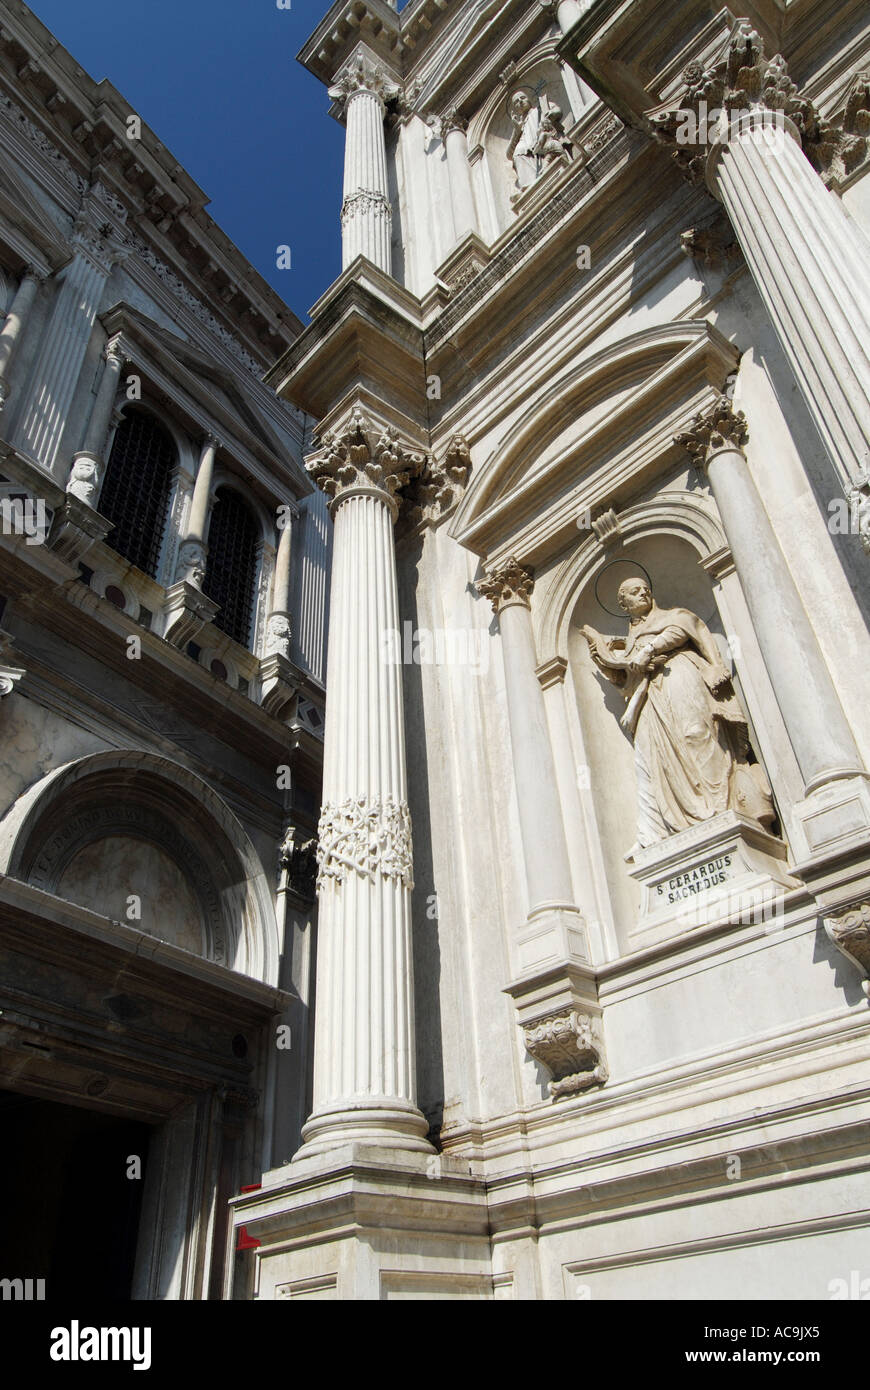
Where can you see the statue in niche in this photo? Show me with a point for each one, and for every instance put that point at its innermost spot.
(691, 743)
(538, 140)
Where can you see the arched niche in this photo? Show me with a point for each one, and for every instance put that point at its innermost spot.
(113, 825)
(666, 538)
(539, 73)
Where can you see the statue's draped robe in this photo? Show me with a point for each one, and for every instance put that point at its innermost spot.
(690, 736)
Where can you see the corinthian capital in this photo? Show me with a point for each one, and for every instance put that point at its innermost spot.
(718, 427)
(452, 120)
(745, 80)
(509, 582)
(363, 75)
(358, 456)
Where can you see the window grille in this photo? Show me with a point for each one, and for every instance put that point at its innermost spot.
(231, 568)
(135, 494)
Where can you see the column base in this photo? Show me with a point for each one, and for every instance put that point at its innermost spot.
(387, 1123)
(364, 1223)
(833, 817)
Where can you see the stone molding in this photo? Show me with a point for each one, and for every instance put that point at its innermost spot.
(366, 835)
(720, 426)
(509, 582)
(849, 930)
(358, 456)
(568, 1042)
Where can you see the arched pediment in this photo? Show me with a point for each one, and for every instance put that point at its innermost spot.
(73, 827)
(599, 432)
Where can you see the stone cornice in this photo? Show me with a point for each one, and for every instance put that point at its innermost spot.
(159, 196)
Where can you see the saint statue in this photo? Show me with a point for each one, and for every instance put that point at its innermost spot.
(691, 743)
(539, 139)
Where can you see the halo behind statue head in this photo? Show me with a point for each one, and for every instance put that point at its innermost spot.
(617, 572)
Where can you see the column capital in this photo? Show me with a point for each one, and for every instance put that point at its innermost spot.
(451, 120)
(210, 441)
(718, 427)
(362, 75)
(35, 273)
(358, 458)
(745, 82)
(509, 582)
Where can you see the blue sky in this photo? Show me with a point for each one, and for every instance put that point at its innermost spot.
(218, 82)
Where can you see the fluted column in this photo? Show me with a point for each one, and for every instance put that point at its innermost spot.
(65, 340)
(808, 259)
(192, 551)
(364, 1065)
(453, 127)
(88, 462)
(813, 716)
(545, 851)
(15, 321)
(366, 213)
(278, 628)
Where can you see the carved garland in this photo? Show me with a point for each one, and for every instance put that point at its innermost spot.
(367, 836)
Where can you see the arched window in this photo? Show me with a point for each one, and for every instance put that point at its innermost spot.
(135, 494)
(231, 568)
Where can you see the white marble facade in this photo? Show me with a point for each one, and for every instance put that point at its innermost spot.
(592, 948)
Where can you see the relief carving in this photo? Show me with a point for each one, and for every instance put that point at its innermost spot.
(367, 836)
(569, 1044)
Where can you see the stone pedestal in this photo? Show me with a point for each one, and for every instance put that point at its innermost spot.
(365, 1223)
(726, 869)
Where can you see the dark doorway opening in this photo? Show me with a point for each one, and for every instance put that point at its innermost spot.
(69, 1212)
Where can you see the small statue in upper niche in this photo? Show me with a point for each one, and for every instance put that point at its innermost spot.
(539, 139)
(691, 742)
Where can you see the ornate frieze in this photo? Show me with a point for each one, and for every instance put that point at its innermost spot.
(569, 1044)
(720, 426)
(361, 456)
(849, 930)
(366, 835)
(509, 582)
